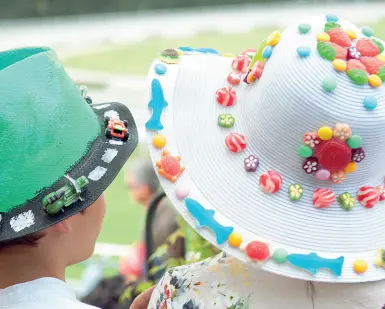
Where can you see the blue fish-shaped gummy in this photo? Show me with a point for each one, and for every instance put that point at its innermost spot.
(157, 104)
(205, 218)
(313, 262)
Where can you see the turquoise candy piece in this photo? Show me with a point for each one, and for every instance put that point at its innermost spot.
(304, 28)
(280, 256)
(331, 18)
(157, 104)
(160, 69)
(205, 218)
(355, 141)
(329, 84)
(313, 262)
(267, 52)
(370, 102)
(303, 51)
(367, 31)
(305, 151)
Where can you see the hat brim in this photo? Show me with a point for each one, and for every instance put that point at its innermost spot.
(216, 178)
(102, 163)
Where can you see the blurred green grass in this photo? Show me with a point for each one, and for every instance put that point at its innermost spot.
(135, 59)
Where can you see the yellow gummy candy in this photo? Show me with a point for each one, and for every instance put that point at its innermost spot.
(325, 133)
(323, 37)
(274, 38)
(228, 55)
(339, 65)
(360, 266)
(159, 141)
(381, 57)
(235, 239)
(375, 80)
(351, 167)
(351, 34)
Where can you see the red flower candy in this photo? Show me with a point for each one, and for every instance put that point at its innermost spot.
(334, 155)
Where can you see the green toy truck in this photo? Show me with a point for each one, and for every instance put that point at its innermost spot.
(65, 196)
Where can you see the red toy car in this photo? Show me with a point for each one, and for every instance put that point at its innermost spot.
(116, 128)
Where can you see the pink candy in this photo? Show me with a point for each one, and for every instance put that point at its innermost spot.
(241, 63)
(234, 78)
(368, 196)
(270, 182)
(381, 192)
(323, 198)
(235, 142)
(226, 96)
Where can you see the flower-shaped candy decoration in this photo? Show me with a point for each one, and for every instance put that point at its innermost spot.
(336, 150)
(360, 57)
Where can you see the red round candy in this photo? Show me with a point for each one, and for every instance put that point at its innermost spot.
(368, 196)
(257, 251)
(241, 63)
(235, 142)
(334, 155)
(234, 78)
(226, 96)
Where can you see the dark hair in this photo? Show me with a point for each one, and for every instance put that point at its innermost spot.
(144, 174)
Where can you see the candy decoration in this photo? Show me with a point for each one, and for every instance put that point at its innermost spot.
(235, 142)
(235, 239)
(372, 65)
(169, 56)
(326, 51)
(367, 48)
(305, 151)
(234, 78)
(355, 141)
(159, 141)
(270, 181)
(381, 58)
(267, 52)
(354, 64)
(368, 196)
(331, 25)
(310, 165)
(339, 37)
(367, 31)
(338, 177)
(375, 81)
(280, 256)
(322, 174)
(381, 74)
(353, 53)
(255, 73)
(323, 198)
(339, 65)
(381, 192)
(228, 55)
(352, 34)
(226, 96)
(169, 167)
(323, 37)
(257, 251)
(325, 133)
(304, 28)
(251, 163)
(241, 63)
(346, 201)
(160, 69)
(295, 192)
(331, 18)
(334, 155)
(329, 84)
(359, 77)
(351, 167)
(370, 102)
(303, 51)
(226, 120)
(311, 139)
(342, 131)
(380, 258)
(182, 192)
(274, 38)
(360, 266)
(358, 155)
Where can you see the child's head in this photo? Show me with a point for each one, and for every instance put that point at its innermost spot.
(59, 154)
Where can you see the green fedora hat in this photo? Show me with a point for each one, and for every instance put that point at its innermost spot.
(58, 151)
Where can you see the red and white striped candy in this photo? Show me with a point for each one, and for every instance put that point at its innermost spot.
(241, 63)
(236, 142)
(270, 182)
(226, 96)
(234, 78)
(323, 198)
(368, 196)
(381, 192)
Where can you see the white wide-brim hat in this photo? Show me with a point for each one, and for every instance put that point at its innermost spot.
(312, 124)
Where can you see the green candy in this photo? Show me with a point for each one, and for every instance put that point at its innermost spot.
(329, 84)
(280, 256)
(381, 73)
(357, 76)
(331, 25)
(346, 201)
(379, 45)
(355, 141)
(367, 31)
(295, 192)
(226, 120)
(304, 28)
(305, 151)
(326, 51)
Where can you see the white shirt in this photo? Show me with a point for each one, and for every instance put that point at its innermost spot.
(226, 283)
(43, 293)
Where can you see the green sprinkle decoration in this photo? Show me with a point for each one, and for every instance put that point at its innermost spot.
(326, 51)
(367, 31)
(381, 73)
(379, 45)
(304, 28)
(295, 192)
(358, 76)
(331, 25)
(329, 84)
(305, 151)
(280, 256)
(346, 201)
(355, 141)
(226, 120)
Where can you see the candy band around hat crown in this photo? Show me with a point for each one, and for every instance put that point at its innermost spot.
(331, 152)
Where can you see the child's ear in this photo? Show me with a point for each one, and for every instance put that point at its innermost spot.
(63, 227)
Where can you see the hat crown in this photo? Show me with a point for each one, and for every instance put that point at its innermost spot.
(290, 101)
(46, 125)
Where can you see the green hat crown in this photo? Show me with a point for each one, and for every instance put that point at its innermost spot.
(46, 126)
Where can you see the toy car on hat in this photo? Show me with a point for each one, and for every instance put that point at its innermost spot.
(116, 128)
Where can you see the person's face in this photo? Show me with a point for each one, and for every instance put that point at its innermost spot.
(140, 192)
